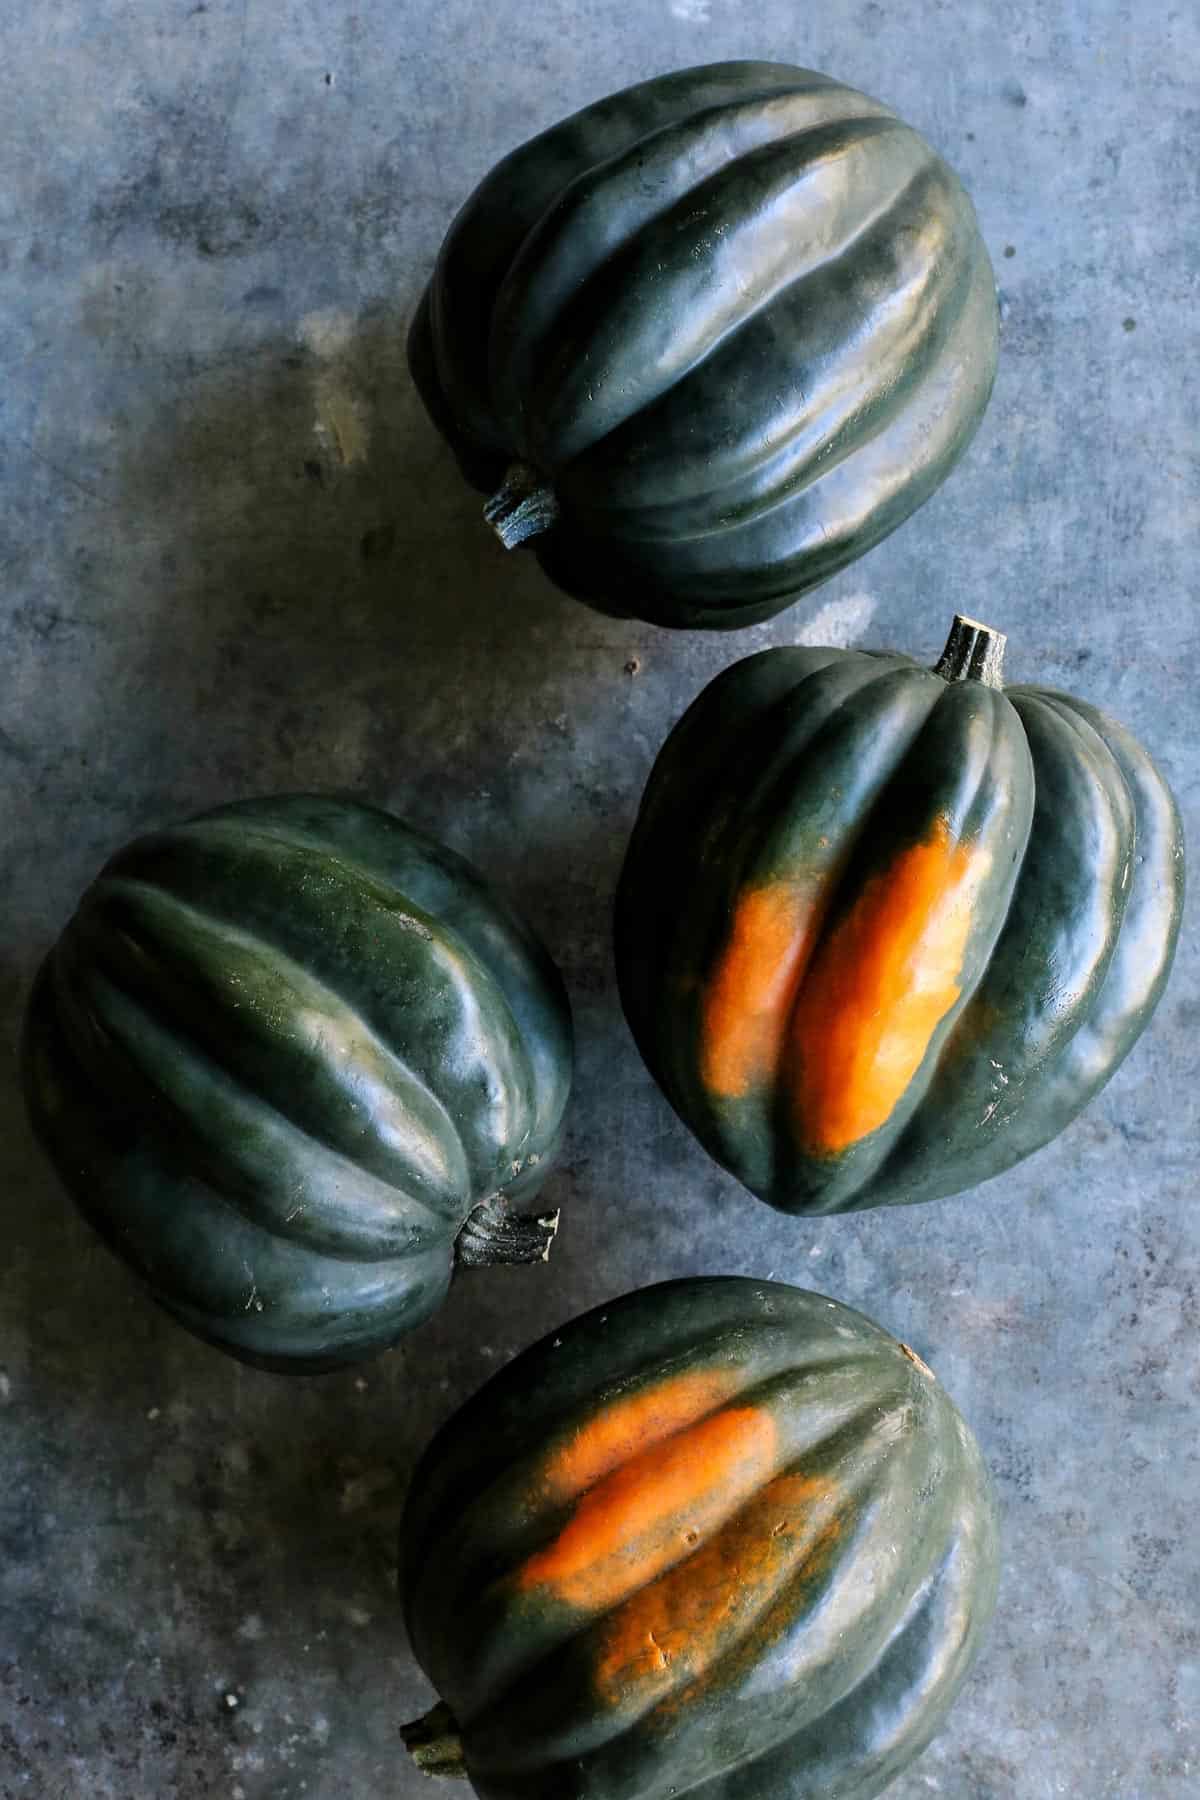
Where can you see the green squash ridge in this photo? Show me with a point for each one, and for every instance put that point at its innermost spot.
(313, 1342)
(895, 494)
(512, 1465)
(914, 1655)
(783, 468)
(1012, 1104)
(924, 1577)
(850, 1187)
(502, 931)
(139, 1171)
(747, 1306)
(579, 566)
(1138, 772)
(790, 1365)
(731, 316)
(400, 1081)
(566, 149)
(450, 940)
(636, 176)
(229, 1173)
(237, 827)
(655, 151)
(522, 1664)
(865, 407)
(839, 1728)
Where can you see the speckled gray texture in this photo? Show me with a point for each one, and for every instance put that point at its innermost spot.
(236, 557)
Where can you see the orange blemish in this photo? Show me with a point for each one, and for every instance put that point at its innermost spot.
(633, 1424)
(672, 1633)
(750, 995)
(645, 1515)
(878, 989)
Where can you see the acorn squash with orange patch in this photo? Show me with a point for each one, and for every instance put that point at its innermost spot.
(882, 930)
(721, 1538)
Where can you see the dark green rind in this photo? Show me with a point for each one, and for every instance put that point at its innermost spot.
(447, 888)
(259, 1066)
(1081, 964)
(264, 1298)
(1059, 986)
(855, 719)
(859, 484)
(537, 1397)
(278, 1057)
(860, 1745)
(732, 433)
(865, 1656)
(407, 935)
(495, 1528)
(742, 320)
(639, 323)
(490, 228)
(1141, 962)
(482, 466)
(617, 219)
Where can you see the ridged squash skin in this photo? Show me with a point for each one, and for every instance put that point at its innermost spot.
(279, 1057)
(721, 1538)
(882, 932)
(738, 321)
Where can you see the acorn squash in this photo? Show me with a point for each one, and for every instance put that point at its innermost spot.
(710, 339)
(883, 931)
(294, 1060)
(720, 1538)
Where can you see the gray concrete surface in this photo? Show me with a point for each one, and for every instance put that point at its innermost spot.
(236, 558)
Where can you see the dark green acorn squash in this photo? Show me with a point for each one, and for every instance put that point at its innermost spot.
(882, 931)
(711, 338)
(294, 1060)
(720, 1538)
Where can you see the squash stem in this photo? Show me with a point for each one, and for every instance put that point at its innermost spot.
(492, 1234)
(434, 1744)
(973, 652)
(521, 507)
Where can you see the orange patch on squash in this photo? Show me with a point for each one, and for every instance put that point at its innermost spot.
(750, 994)
(632, 1424)
(670, 1634)
(646, 1514)
(878, 989)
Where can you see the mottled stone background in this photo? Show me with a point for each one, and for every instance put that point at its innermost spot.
(236, 557)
